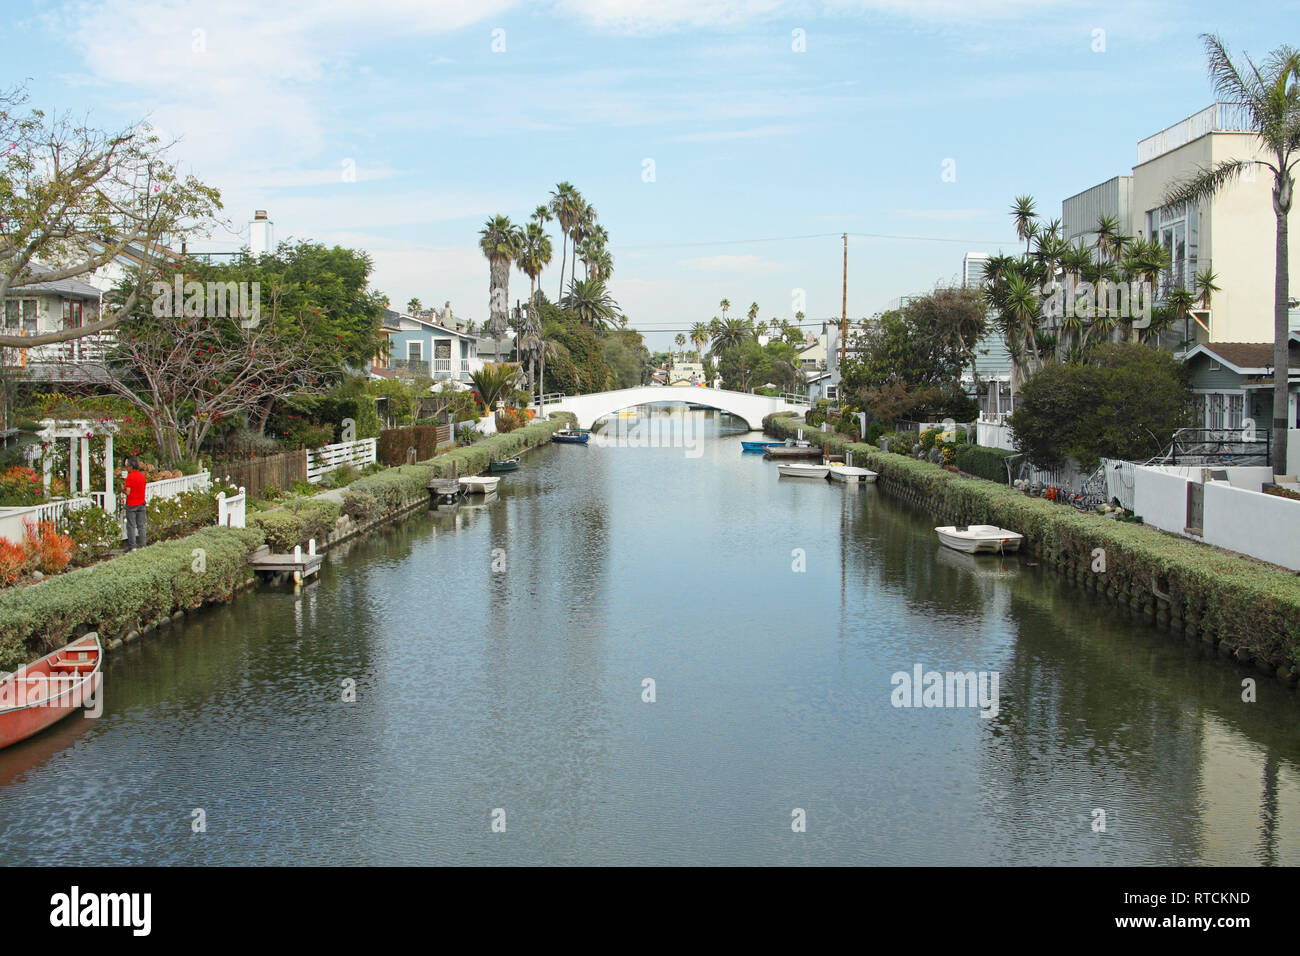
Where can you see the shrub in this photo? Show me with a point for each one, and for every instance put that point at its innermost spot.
(20, 485)
(296, 524)
(508, 419)
(116, 596)
(94, 530)
(987, 463)
(180, 515)
(318, 518)
(47, 547)
(13, 561)
(360, 506)
(1281, 492)
(928, 438)
(341, 477)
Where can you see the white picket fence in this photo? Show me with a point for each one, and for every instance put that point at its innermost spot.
(171, 487)
(231, 511)
(321, 461)
(13, 520)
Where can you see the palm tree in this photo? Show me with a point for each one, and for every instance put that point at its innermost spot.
(591, 302)
(534, 255)
(753, 312)
(584, 226)
(501, 242)
(565, 203)
(494, 382)
(1022, 211)
(699, 335)
(1269, 94)
(730, 333)
(681, 344)
(724, 305)
(413, 306)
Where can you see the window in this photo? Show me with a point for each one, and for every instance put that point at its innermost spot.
(21, 314)
(414, 351)
(1236, 410)
(1176, 230)
(1214, 411)
(71, 314)
(1222, 409)
(29, 316)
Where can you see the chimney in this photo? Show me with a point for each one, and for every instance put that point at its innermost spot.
(261, 234)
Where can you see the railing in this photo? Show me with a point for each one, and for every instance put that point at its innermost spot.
(441, 365)
(410, 366)
(1221, 117)
(231, 511)
(88, 348)
(1218, 446)
(171, 487)
(321, 461)
(13, 520)
(550, 398)
(794, 399)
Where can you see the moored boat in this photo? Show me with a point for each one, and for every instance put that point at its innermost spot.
(849, 474)
(977, 538)
(571, 436)
(803, 470)
(44, 692)
(479, 484)
(505, 464)
(758, 445)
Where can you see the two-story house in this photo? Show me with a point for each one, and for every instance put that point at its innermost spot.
(424, 346)
(41, 307)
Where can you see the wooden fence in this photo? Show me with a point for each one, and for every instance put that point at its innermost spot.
(257, 474)
(321, 461)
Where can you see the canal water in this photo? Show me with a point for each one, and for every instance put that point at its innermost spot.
(500, 659)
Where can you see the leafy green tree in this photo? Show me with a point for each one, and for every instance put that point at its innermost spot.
(591, 303)
(1125, 403)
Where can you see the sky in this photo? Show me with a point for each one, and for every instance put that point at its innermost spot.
(725, 144)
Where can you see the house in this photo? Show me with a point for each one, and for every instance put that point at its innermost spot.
(1234, 233)
(42, 307)
(425, 347)
(1233, 385)
(686, 373)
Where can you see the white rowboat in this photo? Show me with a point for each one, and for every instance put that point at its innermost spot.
(480, 484)
(976, 538)
(849, 473)
(803, 470)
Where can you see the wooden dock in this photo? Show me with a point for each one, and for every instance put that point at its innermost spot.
(786, 452)
(445, 492)
(299, 566)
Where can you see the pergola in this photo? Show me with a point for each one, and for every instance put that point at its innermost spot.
(78, 432)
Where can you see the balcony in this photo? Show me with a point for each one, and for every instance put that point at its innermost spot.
(1219, 118)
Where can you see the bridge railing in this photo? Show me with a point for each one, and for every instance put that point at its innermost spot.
(794, 399)
(550, 398)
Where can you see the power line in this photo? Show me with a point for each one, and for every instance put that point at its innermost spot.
(820, 235)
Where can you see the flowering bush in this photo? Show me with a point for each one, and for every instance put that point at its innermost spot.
(94, 530)
(508, 419)
(51, 550)
(13, 560)
(21, 486)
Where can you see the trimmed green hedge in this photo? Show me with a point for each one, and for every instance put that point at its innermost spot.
(123, 594)
(1252, 610)
(297, 523)
(987, 463)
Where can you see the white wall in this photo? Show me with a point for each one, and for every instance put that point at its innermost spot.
(1239, 518)
(1160, 498)
(1293, 451)
(1264, 526)
(993, 435)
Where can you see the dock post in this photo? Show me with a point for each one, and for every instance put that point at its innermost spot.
(311, 547)
(297, 555)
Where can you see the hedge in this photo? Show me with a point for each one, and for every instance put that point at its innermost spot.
(297, 523)
(124, 594)
(987, 463)
(1251, 610)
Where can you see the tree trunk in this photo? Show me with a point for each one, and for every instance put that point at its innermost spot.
(564, 245)
(1282, 195)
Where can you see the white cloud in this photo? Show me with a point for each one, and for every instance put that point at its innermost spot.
(726, 135)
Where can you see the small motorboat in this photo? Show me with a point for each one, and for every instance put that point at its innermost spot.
(505, 464)
(44, 692)
(571, 436)
(445, 493)
(479, 484)
(798, 469)
(849, 474)
(758, 445)
(977, 538)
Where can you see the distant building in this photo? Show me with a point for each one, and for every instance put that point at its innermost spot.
(1079, 213)
(972, 269)
(261, 234)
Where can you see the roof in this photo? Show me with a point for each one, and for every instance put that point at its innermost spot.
(73, 287)
(1244, 358)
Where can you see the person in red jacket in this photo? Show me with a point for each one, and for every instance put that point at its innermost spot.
(135, 521)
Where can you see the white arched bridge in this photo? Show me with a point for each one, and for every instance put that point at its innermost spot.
(748, 407)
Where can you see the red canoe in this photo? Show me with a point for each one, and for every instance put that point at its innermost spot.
(44, 692)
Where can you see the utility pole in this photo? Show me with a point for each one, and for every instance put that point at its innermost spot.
(844, 306)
